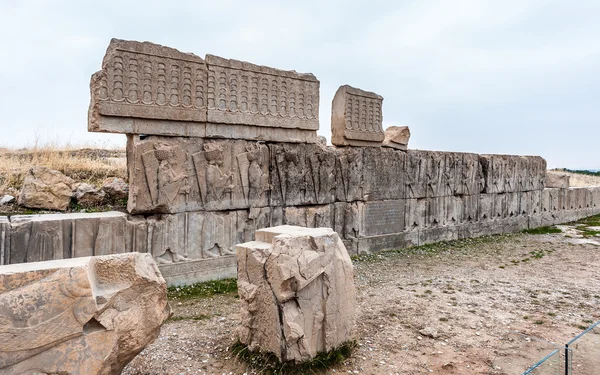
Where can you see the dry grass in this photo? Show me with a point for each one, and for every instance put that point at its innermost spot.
(81, 164)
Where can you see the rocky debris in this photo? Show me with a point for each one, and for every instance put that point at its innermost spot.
(557, 180)
(87, 195)
(322, 140)
(429, 332)
(297, 292)
(115, 188)
(79, 316)
(47, 189)
(396, 137)
(7, 199)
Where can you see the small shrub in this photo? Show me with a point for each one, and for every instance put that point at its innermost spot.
(203, 290)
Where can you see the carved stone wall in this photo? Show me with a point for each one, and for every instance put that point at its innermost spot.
(145, 88)
(192, 200)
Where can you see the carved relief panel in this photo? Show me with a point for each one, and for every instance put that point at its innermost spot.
(173, 174)
(383, 173)
(349, 172)
(302, 174)
(415, 174)
(239, 92)
(356, 118)
(150, 81)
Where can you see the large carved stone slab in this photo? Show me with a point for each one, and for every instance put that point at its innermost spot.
(383, 174)
(37, 238)
(302, 174)
(243, 93)
(175, 174)
(81, 316)
(297, 292)
(512, 173)
(383, 217)
(350, 184)
(145, 88)
(356, 118)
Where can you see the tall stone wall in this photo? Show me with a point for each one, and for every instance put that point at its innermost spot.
(220, 148)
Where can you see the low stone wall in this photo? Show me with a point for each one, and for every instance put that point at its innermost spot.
(199, 246)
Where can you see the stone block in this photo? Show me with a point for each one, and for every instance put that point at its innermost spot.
(356, 118)
(47, 189)
(486, 207)
(469, 177)
(557, 180)
(383, 174)
(349, 219)
(350, 184)
(310, 216)
(145, 88)
(297, 292)
(241, 93)
(199, 270)
(383, 217)
(431, 235)
(302, 174)
(61, 236)
(416, 211)
(396, 137)
(512, 173)
(455, 209)
(372, 244)
(173, 174)
(415, 174)
(4, 240)
(435, 212)
(88, 315)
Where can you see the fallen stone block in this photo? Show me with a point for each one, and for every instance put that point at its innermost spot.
(88, 196)
(396, 137)
(115, 188)
(297, 292)
(81, 316)
(46, 188)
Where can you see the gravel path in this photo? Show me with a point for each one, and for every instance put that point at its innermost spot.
(492, 305)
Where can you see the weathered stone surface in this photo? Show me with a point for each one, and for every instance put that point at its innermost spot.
(46, 188)
(6, 199)
(302, 174)
(557, 180)
(4, 240)
(297, 292)
(79, 316)
(356, 118)
(37, 238)
(115, 188)
(396, 137)
(145, 88)
(242, 93)
(512, 173)
(383, 174)
(89, 196)
(170, 175)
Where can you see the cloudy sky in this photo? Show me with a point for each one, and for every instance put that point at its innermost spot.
(505, 76)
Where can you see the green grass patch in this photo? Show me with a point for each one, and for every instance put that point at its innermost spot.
(542, 230)
(203, 290)
(268, 363)
(589, 232)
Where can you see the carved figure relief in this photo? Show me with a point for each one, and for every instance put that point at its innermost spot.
(322, 164)
(254, 174)
(415, 175)
(215, 183)
(449, 175)
(166, 174)
(350, 174)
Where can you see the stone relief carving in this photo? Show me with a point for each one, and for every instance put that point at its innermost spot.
(415, 175)
(244, 93)
(356, 118)
(350, 174)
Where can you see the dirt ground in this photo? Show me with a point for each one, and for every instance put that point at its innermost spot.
(492, 305)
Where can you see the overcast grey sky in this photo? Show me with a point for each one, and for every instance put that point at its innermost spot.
(505, 76)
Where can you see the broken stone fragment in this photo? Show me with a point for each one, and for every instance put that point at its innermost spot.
(396, 137)
(87, 195)
(46, 188)
(115, 187)
(557, 180)
(297, 292)
(7, 199)
(82, 316)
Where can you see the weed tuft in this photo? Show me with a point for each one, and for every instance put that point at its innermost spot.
(203, 290)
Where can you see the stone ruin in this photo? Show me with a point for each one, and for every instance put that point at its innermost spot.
(296, 286)
(83, 316)
(218, 149)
